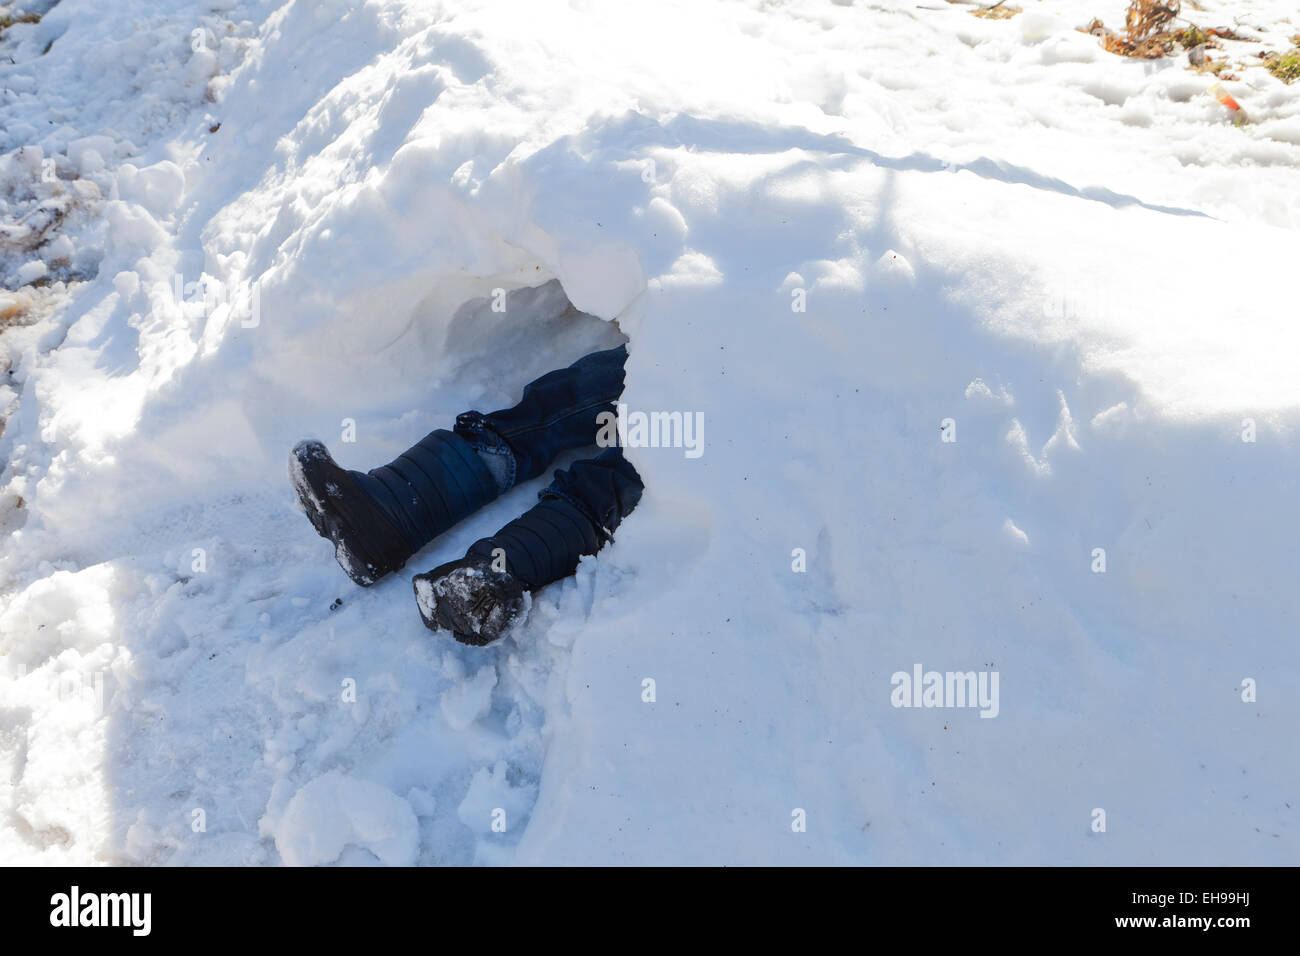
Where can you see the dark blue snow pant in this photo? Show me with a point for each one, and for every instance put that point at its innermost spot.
(558, 412)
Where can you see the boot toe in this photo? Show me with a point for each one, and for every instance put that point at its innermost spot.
(365, 545)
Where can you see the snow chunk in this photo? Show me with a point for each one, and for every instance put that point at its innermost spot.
(1038, 25)
(893, 267)
(91, 162)
(63, 610)
(336, 810)
(158, 188)
(692, 269)
(88, 152)
(664, 217)
(29, 272)
(838, 275)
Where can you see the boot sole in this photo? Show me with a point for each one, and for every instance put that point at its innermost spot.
(464, 602)
(366, 545)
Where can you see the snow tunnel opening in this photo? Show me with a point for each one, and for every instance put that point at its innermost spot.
(429, 342)
(509, 337)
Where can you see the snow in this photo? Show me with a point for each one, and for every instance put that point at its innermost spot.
(334, 811)
(964, 303)
(467, 702)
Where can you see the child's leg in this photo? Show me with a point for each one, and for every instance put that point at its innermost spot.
(556, 413)
(478, 596)
(378, 519)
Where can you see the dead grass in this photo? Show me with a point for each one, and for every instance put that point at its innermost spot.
(1148, 18)
(40, 226)
(1146, 35)
(999, 11)
(13, 308)
(6, 20)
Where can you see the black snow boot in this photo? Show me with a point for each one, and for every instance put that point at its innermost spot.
(471, 598)
(479, 596)
(378, 519)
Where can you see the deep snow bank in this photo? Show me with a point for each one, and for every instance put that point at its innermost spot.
(830, 229)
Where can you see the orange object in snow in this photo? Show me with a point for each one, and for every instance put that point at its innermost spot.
(1222, 95)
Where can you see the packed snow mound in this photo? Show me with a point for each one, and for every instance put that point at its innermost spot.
(989, 329)
(334, 811)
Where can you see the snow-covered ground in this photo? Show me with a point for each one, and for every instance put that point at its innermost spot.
(962, 300)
